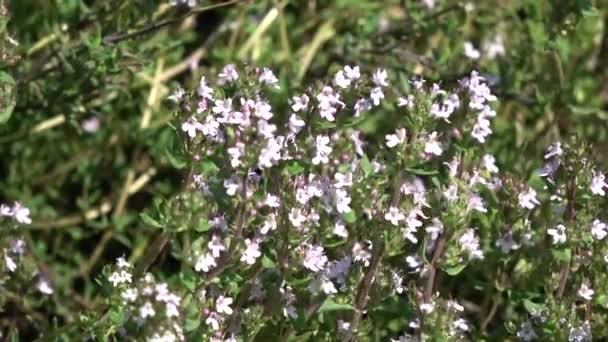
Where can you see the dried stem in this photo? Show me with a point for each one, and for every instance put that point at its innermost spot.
(430, 282)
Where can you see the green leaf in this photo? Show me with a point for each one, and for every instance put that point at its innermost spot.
(209, 167)
(602, 300)
(147, 219)
(350, 217)
(117, 316)
(533, 308)
(561, 255)
(267, 262)
(421, 172)
(177, 161)
(329, 305)
(454, 270)
(366, 166)
(294, 168)
(192, 324)
(202, 226)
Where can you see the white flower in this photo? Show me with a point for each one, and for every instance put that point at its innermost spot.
(495, 47)
(295, 124)
(398, 138)
(585, 292)
(413, 262)
(205, 262)
(228, 75)
(235, 153)
(267, 77)
(528, 199)
(328, 100)
(406, 101)
(300, 103)
(146, 310)
(376, 95)
(427, 308)
(177, 95)
(460, 324)
(340, 229)
(554, 150)
(216, 246)
(269, 224)
(361, 254)
(476, 203)
(435, 228)
(342, 201)
(394, 215)
(129, 295)
(121, 262)
(190, 126)
(432, 146)
(252, 252)
(343, 180)
(598, 184)
(322, 150)
(21, 213)
(430, 4)
(558, 234)
(232, 185)
(296, 218)
(341, 80)
(204, 91)
(362, 105)
(222, 305)
(272, 201)
(489, 163)
(91, 125)
(120, 277)
(352, 73)
(10, 263)
(598, 230)
(469, 243)
(379, 78)
(214, 320)
(455, 306)
(470, 51)
(314, 258)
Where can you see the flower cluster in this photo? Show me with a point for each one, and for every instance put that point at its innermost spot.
(283, 199)
(148, 305)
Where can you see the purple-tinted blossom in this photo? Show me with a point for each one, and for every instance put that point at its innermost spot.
(598, 183)
(268, 77)
(314, 258)
(527, 199)
(228, 75)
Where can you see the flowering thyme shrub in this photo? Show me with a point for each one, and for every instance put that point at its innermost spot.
(290, 229)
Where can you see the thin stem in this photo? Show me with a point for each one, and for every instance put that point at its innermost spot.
(430, 282)
(565, 271)
(366, 283)
(118, 37)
